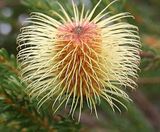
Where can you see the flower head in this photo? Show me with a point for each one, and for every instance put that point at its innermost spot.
(80, 58)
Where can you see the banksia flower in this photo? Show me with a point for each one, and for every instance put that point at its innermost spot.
(79, 59)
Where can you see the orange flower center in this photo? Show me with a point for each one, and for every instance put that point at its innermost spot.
(79, 48)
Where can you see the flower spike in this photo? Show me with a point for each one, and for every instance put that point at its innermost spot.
(79, 59)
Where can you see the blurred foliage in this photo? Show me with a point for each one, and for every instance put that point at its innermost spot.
(18, 113)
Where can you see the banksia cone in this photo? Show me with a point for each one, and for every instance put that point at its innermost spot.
(78, 59)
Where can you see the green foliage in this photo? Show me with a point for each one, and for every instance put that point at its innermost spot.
(131, 120)
(17, 112)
